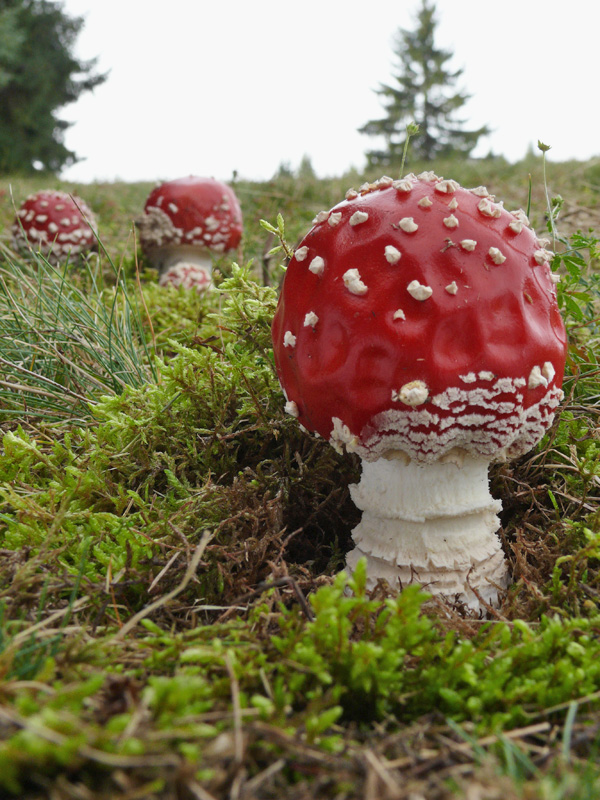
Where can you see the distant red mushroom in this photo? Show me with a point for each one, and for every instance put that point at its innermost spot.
(418, 327)
(188, 221)
(56, 224)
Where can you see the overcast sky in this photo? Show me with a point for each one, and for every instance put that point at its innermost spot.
(206, 88)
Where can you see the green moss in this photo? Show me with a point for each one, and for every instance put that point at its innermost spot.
(261, 649)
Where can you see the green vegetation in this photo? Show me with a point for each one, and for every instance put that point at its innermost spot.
(173, 623)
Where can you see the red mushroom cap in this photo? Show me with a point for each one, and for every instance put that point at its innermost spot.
(422, 317)
(202, 212)
(55, 223)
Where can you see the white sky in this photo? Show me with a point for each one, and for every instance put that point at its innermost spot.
(205, 88)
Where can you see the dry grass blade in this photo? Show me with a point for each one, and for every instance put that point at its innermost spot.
(189, 574)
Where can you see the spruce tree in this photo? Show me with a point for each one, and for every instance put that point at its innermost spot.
(422, 92)
(38, 76)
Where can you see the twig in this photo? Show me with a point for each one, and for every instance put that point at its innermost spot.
(164, 570)
(254, 783)
(198, 791)
(382, 773)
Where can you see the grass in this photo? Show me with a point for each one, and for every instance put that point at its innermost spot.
(172, 620)
(65, 342)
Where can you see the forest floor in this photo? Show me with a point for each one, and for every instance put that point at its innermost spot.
(173, 621)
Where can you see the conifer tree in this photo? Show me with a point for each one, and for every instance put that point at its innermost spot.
(422, 92)
(38, 76)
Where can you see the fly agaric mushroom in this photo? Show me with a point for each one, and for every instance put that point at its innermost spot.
(189, 276)
(188, 220)
(418, 327)
(56, 224)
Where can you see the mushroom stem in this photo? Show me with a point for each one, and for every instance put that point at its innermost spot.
(433, 524)
(163, 258)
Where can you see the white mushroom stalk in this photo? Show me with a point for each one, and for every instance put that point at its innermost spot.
(433, 524)
(171, 256)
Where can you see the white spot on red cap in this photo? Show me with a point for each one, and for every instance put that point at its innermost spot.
(310, 320)
(418, 291)
(353, 283)
(408, 225)
(468, 244)
(480, 191)
(516, 226)
(212, 223)
(428, 176)
(342, 435)
(542, 256)
(358, 218)
(488, 209)
(317, 265)
(289, 340)
(392, 254)
(413, 394)
(496, 255)
(399, 314)
(403, 185)
(425, 202)
(536, 378)
(334, 218)
(453, 204)
(321, 217)
(291, 408)
(172, 208)
(521, 216)
(446, 187)
(351, 194)
(452, 288)
(301, 253)
(548, 371)
(451, 221)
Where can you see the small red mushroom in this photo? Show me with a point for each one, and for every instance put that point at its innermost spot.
(418, 327)
(56, 224)
(188, 221)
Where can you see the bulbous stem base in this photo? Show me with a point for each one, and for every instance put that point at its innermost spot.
(430, 524)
